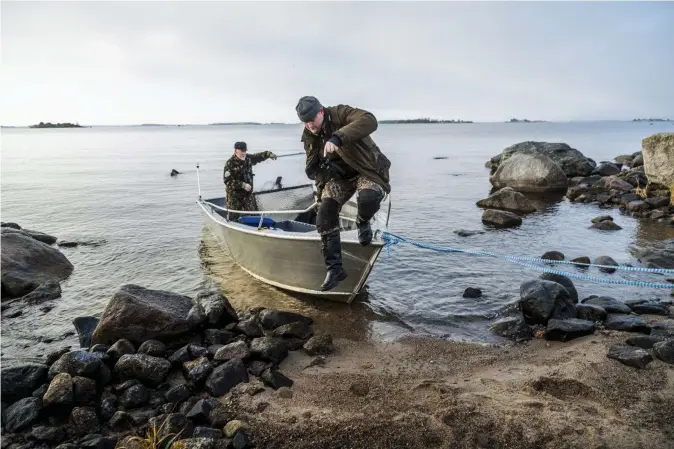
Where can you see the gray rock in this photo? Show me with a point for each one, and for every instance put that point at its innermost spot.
(581, 260)
(27, 263)
(60, 392)
(121, 421)
(207, 432)
(630, 356)
(471, 292)
(610, 305)
(534, 173)
(10, 225)
(467, 232)
(658, 201)
(591, 312)
(225, 377)
(607, 225)
(507, 199)
(85, 327)
(196, 316)
(218, 337)
(664, 350)
(500, 218)
(134, 396)
(84, 390)
(601, 218)
(155, 348)
(22, 414)
(543, 300)
(606, 260)
(139, 314)
(187, 353)
(216, 306)
(53, 435)
(650, 308)
(241, 440)
(83, 421)
(644, 341)
(319, 345)
(564, 282)
(627, 323)
(149, 370)
(629, 198)
(20, 381)
(48, 291)
(298, 329)
(568, 329)
(78, 363)
(606, 169)
(663, 328)
(272, 318)
(658, 157)
(657, 258)
(199, 412)
(197, 370)
(571, 161)
(275, 379)
(638, 206)
(513, 328)
(199, 443)
(249, 327)
(178, 394)
(269, 348)
(553, 255)
(120, 348)
(231, 351)
(638, 161)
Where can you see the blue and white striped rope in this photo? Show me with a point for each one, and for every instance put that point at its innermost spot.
(392, 239)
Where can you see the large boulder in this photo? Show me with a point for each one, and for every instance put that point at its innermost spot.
(138, 314)
(530, 172)
(20, 381)
(500, 218)
(543, 300)
(27, 263)
(507, 199)
(658, 154)
(571, 161)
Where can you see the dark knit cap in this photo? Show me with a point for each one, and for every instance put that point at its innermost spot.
(307, 108)
(240, 146)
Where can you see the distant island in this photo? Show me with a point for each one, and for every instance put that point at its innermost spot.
(514, 120)
(56, 125)
(423, 120)
(651, 120)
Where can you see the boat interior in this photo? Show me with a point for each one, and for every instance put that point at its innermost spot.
(289, 209)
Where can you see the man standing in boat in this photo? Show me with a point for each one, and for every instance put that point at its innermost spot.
(238, 178)
(342, 159)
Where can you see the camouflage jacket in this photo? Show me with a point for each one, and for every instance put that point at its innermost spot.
(237, 172)
(353, 128)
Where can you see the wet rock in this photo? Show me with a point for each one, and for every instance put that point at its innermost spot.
(601, 218)
(173, 424)
(624, 159)
(85, 326)
(630, 356)
(564, 282)
(272, 318)
(467, 232)
(658, 201)
(48, 291)
(664, 351)
(197, 370)
(298, 329)
(138, 314)
(534, 173)
(60, 392)
(607, 225)
(650, 308)
(514, 328)
(196, 316)
(78, 363)
(319, 345)
(20, 381)
(606, 260)
(638, 160)
(121, 421)
(108, 408)
(120, 348)
(591, 312)
(269, 348)
(606, 169)
(276, 379)
(657, 258)
(257, 367)
(97, 441)
(553, 255)
(543, 300)
(198, 414)
(134, 397)
(225, 377)
(610, 305)
(568, 329)
(22, 414)
(638, 206)
(219, 416)
(83, 421)
(627, 323)
(27, 263)
(582, 259)
(664, 328)
(231, 351)
(249, 327)
(644, 341)
(187, 353)
(84, 390)
(178, 394)
(575, 192)
(500, 218)
(216, 306)
(241, 440)
(155, 348)
(507, 199)
(217, 337)
(49, 434)
(628, 198)
(471, 292)
(207, 432)
(10, 225)
(149, 370)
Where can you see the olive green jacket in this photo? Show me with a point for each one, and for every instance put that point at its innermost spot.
(353, 127)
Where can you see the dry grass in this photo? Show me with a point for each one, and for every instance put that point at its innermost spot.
(151, 440)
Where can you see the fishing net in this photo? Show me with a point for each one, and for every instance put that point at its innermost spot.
(286, 198)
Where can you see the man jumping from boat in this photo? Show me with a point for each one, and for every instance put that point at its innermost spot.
(238, 178)
(342, 159)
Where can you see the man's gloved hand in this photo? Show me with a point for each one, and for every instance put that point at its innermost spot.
(246, 187)
(272, 156)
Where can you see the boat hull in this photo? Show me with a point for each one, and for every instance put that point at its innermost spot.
(291, 261)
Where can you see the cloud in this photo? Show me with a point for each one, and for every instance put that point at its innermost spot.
(201, 62)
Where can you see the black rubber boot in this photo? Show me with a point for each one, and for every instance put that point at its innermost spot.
(332, 252)
(364, 232)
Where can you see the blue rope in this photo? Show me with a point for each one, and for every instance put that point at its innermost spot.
(392, 239)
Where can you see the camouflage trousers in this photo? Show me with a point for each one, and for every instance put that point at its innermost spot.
(341, 190)
(238, 201)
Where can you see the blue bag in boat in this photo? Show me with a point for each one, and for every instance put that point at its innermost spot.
(252, 220)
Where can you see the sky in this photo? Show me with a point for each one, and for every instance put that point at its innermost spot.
(118, 63)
